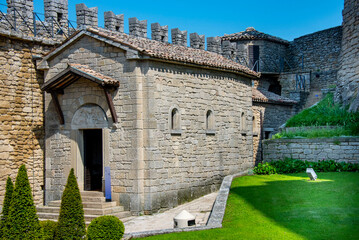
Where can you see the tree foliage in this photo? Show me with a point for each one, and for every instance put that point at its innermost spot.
(22, 223)
(71, 224)
(105, 227)
(9, 190)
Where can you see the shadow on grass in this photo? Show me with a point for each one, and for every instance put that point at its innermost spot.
(325, 209)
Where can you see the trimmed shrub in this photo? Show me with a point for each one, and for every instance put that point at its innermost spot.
(264, 168)
(9, 190)
(105, 227)
(71, 224)
(23, 222)
(49, 228)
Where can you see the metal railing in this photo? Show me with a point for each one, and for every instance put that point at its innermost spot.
(300, 82)
(51, 28)
(269, 64)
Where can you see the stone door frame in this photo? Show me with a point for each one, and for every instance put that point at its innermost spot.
(77, 145)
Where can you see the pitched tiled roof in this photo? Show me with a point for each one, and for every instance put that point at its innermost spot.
(261, 95)
(73, 73)
(86, 69)
(176, 53)
(252, 34)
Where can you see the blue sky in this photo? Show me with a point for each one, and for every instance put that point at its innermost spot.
(287, 19)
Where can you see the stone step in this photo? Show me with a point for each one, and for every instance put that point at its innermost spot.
(91, 194)
(97, 205)
(55, 216)
(93, 199)
(88, 211)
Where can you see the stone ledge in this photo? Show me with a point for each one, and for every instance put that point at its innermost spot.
(214, 220)
(312, 140)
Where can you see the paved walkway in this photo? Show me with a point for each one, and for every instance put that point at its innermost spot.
(200, 208)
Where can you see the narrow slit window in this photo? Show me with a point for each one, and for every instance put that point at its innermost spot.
(175, 119)
(254, 126)
(243, 121)
(209, 120)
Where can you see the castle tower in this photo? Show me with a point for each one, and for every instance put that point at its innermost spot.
(159, 33)
(229, 50)
(56, 10)
(137, 28)
(214, 44)
(347, 91)
(114, 22)
(86, 17)
(179, 37)
(24, 7)
(197, 41)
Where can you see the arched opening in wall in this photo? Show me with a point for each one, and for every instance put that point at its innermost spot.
(88, 123)
(175, 119)
(275, 88)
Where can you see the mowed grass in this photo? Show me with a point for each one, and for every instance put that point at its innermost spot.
(288, 207)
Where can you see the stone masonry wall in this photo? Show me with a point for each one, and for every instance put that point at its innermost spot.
(188, 163)
(21, 117)
(348, 75)
(339, 149)
(274, 116)
(320, 52)
(269, 54)
(122, 137)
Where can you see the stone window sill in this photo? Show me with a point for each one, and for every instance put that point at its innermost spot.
(210, 132)
(175, 132)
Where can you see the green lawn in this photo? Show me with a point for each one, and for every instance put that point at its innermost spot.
(288, 207)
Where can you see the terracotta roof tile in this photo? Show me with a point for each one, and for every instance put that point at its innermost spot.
(252, 34)
(173, 52)
(86, 69)
(261, 95)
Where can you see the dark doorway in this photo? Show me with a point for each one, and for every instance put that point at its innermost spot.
(93, 159)
(253, 52)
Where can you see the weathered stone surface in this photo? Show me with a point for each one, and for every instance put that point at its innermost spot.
(114, 22)
(268, 117)
(197, 41)
(137, 28)
(179, 37)
(86, 17)
(341, 149)
(21, 120)
(348, 75)
(159, 33)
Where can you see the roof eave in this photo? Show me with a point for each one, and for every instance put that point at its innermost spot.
(147, 57)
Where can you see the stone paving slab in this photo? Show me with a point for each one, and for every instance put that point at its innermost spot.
(200, 208)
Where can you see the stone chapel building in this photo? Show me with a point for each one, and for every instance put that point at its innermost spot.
(170, 121)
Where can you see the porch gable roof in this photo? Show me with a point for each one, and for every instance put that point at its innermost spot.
(73, 73)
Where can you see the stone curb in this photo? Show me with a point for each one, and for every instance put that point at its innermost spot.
(214, 221)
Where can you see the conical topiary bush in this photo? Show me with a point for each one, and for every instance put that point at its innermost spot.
(22, 222)
(9, 190)
(71, 224)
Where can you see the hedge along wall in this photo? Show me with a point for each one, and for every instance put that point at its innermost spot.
(339, 149)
